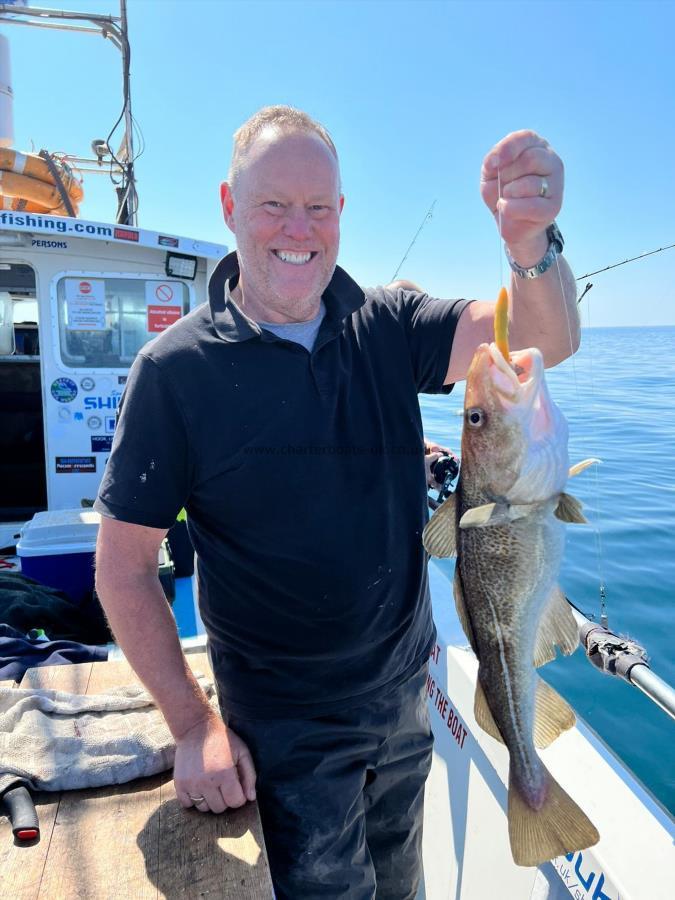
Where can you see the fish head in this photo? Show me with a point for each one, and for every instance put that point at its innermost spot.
(514, 441)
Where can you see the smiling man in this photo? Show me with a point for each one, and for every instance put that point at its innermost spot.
(283, 414)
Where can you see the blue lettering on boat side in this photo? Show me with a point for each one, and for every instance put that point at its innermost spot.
(598, 893)
(111, 402)
(587, 882)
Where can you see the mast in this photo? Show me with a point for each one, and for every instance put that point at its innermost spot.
(127, 197)
(114, 29)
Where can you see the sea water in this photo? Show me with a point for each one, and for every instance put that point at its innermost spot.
(618, 394)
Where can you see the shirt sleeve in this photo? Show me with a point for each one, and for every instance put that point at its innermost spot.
(430, 326)
(147, 478)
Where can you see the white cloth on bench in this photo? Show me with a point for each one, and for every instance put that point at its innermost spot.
(56, 741)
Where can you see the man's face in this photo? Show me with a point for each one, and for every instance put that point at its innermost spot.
(285, 213)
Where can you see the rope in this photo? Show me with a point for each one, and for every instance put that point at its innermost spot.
(54, 172)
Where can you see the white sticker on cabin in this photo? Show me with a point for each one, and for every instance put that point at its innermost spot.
(163, 300)
(85, 304)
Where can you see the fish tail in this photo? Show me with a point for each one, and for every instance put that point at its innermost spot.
(559, 826)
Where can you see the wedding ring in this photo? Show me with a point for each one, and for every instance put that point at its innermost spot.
(196, 799)
(543, 190)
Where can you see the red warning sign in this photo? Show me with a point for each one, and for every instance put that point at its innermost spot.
(160, 317)
(85, 287)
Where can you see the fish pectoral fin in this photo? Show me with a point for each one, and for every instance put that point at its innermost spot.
(569, 510)
(480, 516)
(558, 827)
(584, 464)
(440, 533)
(552, 715)
(496, 514)
(557, 628)
(483, 714)
(462, 613)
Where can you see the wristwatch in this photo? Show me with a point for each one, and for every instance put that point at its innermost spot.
(555, 246)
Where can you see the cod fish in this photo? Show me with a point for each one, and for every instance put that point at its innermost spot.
(505, 525)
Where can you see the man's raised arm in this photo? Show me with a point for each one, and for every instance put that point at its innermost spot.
(522, 182)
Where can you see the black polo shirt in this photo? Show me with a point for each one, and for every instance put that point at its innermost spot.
(303, 478)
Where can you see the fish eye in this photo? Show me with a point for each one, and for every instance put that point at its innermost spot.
(475, 417)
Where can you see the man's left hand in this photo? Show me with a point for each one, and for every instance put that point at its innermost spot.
(531, 178)
(432, 453)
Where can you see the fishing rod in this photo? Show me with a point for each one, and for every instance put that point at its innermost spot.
(623, 262)
(616, 266)
(624, 658)
(429, 215)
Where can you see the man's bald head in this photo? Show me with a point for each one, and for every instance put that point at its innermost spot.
(280, 119)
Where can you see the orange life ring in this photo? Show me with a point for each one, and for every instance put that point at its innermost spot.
(17, 204)
(21, 187)
(34, 166)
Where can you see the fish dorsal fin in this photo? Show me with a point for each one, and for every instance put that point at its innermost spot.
(440, 534)
(559, 826)
(552, 715)
(557, 628)
(496, 514)
(483, 714)
(569, 510)
(584, 464)
(462, 613)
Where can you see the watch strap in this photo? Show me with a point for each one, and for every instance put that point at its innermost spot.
(555, 246)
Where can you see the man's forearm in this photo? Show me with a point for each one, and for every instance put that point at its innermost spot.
(145, 629)
(544, 310)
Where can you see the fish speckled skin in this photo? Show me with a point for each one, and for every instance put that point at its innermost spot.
(504, 523)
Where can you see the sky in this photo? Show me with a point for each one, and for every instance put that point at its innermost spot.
(414, 95)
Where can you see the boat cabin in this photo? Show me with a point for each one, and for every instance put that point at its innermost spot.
(78, 300)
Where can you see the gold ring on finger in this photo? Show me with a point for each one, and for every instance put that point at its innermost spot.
(543, 190)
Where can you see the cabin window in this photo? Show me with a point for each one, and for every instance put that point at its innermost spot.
(104, 321)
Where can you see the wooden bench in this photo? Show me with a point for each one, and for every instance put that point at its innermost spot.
(133, 840)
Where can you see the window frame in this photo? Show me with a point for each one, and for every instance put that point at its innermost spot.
(55, 325)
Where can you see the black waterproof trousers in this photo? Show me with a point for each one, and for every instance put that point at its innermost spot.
(341, 796)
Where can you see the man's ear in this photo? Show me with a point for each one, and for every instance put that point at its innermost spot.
(227, 202)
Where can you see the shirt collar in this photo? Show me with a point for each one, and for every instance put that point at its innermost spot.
(342, 297)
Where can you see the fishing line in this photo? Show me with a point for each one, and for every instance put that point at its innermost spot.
(499, 228)
(596, 528)
(569, 330)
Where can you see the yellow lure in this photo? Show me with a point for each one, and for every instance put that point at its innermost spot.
(502, 323)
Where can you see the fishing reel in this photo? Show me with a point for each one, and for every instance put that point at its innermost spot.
(444, 471)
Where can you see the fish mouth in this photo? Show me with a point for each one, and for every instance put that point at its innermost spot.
(516, 381)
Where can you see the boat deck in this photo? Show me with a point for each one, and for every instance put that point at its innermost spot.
(131, 840)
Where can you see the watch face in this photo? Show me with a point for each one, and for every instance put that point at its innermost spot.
(555, 237)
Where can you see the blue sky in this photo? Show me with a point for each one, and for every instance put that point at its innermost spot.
(414, 94)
